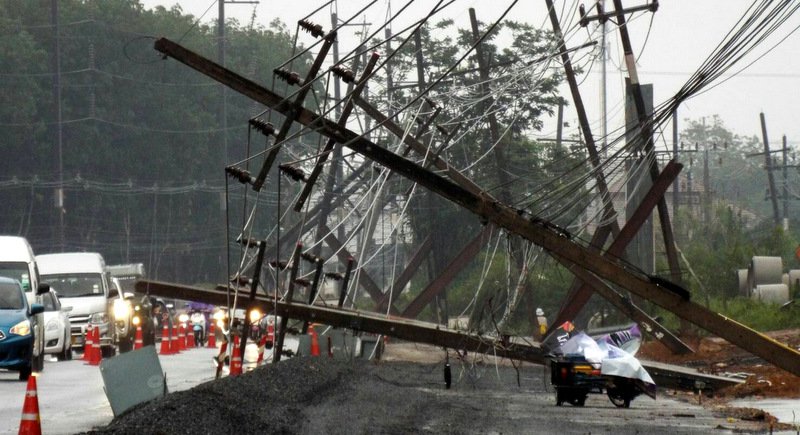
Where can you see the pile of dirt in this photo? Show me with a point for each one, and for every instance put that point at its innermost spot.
(302, 395)
(717, 356)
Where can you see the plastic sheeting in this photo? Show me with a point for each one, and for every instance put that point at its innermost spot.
(613, 360)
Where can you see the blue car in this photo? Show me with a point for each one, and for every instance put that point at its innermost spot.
(17, 320)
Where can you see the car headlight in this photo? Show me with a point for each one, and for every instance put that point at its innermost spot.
(122, 309)
(136, 320)
(99, 318)
(52, 325)
(21, 328)
(255, 315)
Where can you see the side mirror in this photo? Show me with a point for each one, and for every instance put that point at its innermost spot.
(37, 309)
(42, 289)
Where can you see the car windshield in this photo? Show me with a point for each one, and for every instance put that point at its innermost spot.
(16, 270)
(75, 284)
(10, 297)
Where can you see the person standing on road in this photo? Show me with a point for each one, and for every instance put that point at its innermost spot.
(542, 321)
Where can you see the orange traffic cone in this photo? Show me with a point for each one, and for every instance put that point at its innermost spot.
(271, 334)
(138, 341)
(30, 423)
(97, 354)
(87, 344)
(181, 338)
(314, 341)
(165, 341)
(261, 345)
(173, 341)
(189, 336)
(236, 359)
(212, 337)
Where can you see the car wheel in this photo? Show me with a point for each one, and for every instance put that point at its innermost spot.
(38, 363)
(66, 353)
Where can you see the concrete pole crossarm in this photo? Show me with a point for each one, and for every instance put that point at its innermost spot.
(329, 145)
(508, 218)
(291, 113)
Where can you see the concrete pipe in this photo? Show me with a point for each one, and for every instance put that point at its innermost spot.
(744, 287)
(772, 293)
(767, 270)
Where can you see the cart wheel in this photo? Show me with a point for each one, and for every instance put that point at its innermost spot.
(619, 400)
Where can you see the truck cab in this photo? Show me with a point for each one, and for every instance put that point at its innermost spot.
(81, 280)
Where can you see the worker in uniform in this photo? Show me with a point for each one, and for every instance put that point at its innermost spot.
(541, 320)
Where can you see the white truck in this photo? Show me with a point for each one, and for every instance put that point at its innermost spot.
(83, 283)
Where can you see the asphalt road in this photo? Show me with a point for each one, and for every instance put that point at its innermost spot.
(484, 399)
(71, 395)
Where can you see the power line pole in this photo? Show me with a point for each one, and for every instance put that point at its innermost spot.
(221, 59)
(785, 185)
(768, 160)
(676, 183)
(59, 193)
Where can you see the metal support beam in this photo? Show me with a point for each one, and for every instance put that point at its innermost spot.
(580, 296)
(411, 268)
(449, 273)
(284, 315)
(489, 210)
(364, 280)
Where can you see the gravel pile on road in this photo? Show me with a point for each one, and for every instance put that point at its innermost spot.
(299, 395)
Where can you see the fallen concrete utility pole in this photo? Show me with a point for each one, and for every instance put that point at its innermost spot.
(665, 375)
(661, 292)
(405, 329)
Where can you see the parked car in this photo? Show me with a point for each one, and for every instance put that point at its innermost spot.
(18, 262)
(57, 327)
(17, 326)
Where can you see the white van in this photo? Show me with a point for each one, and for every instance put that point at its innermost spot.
(18, 262)
(81, 280)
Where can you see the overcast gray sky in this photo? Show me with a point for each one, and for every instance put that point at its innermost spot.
(671, 44)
